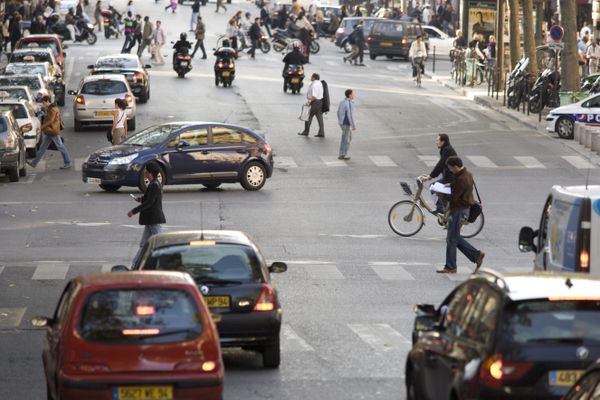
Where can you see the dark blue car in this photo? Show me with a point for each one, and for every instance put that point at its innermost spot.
(188, 152)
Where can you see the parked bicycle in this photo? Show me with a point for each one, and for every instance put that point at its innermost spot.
(407, 218)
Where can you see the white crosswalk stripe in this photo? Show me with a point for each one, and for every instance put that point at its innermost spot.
(383, 161)
(334, 162)
(285, 162)
(482, 162)
(78, 162)
(11, 317)
(27, 179)
(430, 161)
(389, 271)
(323, 271)
(291, 342)
(381, 337)
(50, 271)
(578, 162)
(529, 162)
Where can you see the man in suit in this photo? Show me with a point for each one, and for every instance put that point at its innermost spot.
(150, 209)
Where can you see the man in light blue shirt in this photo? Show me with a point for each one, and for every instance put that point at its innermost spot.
(345, 116)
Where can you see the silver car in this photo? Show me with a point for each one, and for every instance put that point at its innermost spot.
(95, 101)
(21, 93)
(35, 83)
(28, 121)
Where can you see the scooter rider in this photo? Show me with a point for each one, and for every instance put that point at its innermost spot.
(182, 43)
(226, 52)
(294, 57)
(70, 23)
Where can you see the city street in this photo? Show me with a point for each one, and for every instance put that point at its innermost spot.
(351, 284)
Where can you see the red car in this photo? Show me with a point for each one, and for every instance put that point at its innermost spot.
(49, 41)
(132, 336)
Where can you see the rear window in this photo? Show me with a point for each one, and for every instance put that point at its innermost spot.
(104, 87)
(38, 57)
(140, 316)
(546, 321)
(44, 45)
(389, 29)
(20, 94)
(27, 69)
(17, 109)
(207, 263)
(31, 82)
(114, 62)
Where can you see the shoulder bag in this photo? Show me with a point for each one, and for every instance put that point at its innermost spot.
(476, 208)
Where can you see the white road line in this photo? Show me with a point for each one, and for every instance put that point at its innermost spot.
(482, 162)
(578, 162)
(529, 162)
(309, 262)
(11, 317)
(27, 179)
(383, 161)
(334, 162)
(381, 337)
(430, 161)
(50, 271)
(332, 63)
(285, 162)
(70, 63)
(78, 162)
(292, 342)
(391, 272)
(323, 271)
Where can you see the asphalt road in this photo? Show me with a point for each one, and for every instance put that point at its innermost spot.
(352, 283)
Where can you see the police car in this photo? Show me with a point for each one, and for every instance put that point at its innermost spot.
(562, 119)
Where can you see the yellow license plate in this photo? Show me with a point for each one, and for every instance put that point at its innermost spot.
(216, 301)
(226, 73)
(566, 377)
(144, 393)
(104, 113)
(387, 44)
(295, 80)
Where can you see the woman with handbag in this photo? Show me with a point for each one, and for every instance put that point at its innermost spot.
(119, 128)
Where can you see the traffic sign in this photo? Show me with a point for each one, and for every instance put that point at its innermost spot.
(557, 33)
(556, 46)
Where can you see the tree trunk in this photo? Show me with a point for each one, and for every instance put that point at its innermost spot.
(515, 33)
(539, 22)
(569, 62)
(529, 36)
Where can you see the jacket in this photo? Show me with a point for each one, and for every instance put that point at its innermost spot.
(294, 57)
(200, 30)
(346, 108)
(441, 168)
(148, 29)
(255, 33)
(461, 196)
(150, 209)
(51, 124)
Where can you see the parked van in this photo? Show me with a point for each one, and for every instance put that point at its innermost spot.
(392, 38)
(568, 238)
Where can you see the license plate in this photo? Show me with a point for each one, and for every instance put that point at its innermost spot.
(565, 377)
(94, 180)
(216, 301)
(143, 393)
(386, 44)
(184, 63)
(226, 73)
(295, 80)
(104, 113)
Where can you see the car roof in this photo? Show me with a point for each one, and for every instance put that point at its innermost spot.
(34, 50)
(31, 38)
(100, 77)
(30, 63)
(8, 100)
(21, 87)
(592, 191)
(134, 278)
(119, 55)
(184, 237)
(21, 76)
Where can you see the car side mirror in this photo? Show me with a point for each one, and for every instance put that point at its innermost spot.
(90, 67)
(182, 144)
(526, 236)
(426, 319)
(147, 66)
(278, 267)
(119, 268)
(72, 92)
(41, 322)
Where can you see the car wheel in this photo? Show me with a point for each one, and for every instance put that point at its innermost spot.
(565, 127)
(109, 188)
(143, 182)
(145, 96)
(23, 170)
(347, 47)
(254, 176)
(13, 174)
(77, 125)
(211, 186)
(372, 55)
(271, 354)
(131, 124)
(31, 153)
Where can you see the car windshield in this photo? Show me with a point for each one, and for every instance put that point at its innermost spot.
(153, 136)
(15, 93)
(140, 316)
(207, 262)
(117, 62)
(18, 110)
(104, 87)
(27, 69)
(38, 57)
(31, 82)
(43, 44)
(543, 321)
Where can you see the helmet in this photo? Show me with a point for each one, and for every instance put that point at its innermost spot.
(296, 44)
(183, 36)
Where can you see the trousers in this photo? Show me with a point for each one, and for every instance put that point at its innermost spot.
(455, 241)
(346, 138)
(316, 109)
(149, 231)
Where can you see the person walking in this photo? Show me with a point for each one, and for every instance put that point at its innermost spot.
(232, 32)
(265, 18)
(172, 5)
(200, 31)
(146, 36)
(98, 15)
(461, 199)
(220, 5)
(159, 38)
(315, 100)
(119, 127)
(150, 209)
(128, 31)
(593, 55)
(442, 142)
(16, 32)
(137, 33)
(195, 13)
(51, 127)
(255, 34)
(357, 40)
(345, 116)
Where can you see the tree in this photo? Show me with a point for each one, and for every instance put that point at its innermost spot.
(515, 33)
(569, 62)
(539, 22)
(529, 36)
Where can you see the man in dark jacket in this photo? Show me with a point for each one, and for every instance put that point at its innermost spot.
(461, 199)
(446, 150)
(265, 18)
(150, 209)
(255, 35)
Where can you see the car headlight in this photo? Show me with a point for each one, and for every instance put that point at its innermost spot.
(123, 160)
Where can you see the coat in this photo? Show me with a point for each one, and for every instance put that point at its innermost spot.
(461, 196)
(51, 124)
(441, 168)
(346, 108)
(200, 30)
(150, 209)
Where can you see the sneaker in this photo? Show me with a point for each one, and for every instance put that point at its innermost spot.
(30, 164)
(67, 166)
(340, 157)
(446, 270)
(479, 260)
(302, 134)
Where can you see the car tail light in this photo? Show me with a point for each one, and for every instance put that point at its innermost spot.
(220, 65)
(584, 261)
(202, 243)
(139, 76)
(266, 300)
(86, 368)
(140, 332)
(369, 38)
(27, 127)
(289, 72)
(230, 65)
(128, 98)
(495, 371)
(585, 234)
(80, 100)
(403, 41)
(144, 310)
(204, 366)
(301, 72)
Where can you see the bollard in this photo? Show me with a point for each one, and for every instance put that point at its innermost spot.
(588, 138)
(596, 141)
(577, 131)
(583, 136)
(433, 68)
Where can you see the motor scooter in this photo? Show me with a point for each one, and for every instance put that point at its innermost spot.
(292, 78)
(182, 62)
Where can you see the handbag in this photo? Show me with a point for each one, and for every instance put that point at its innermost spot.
(476, 209)
(305, 113)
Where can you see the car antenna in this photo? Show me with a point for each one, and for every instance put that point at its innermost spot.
(201, 223)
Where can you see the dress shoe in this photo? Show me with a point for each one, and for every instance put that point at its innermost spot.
(446, 270)
(319, 135)
(479, 260)
(302, 134)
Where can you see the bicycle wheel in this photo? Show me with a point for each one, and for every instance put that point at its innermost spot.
(406, 218)
(472, 229)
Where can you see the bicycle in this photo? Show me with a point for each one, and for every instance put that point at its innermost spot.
(418, 62)
(406, 217)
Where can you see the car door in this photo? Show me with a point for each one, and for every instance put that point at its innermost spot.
(542, 248)
(188, 155)
(228, 151)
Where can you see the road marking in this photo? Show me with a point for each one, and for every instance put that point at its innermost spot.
(383, 161)
(578, 162)
(41, 166)
(332, 63)
(50, 271)
(27, 179)
(391, 272)
(334, 162)
(70, 63)
(292, 342)
(309, 262)
(323, 271)
(11, 317)
(79, 162)
(285, 162)
(381, 337)
(529, 162)
(430, 161)
(482, 162)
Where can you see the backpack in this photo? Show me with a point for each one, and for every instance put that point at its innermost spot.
(326, 103)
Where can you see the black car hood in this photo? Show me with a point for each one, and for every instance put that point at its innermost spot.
(120, 150)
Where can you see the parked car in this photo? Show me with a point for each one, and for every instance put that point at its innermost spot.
(392, 38)
(38, 86)
(278, 17)
(135, 335)
(235, 280)
(439, 39)
(46, 41)
(128, 65)
(38, 54)
(28, 122)
(12, 148)
(506, 336)
(207, 153)
(52, 76)
(20, 93)
(95, 101)
(347, 26)
(562, 120)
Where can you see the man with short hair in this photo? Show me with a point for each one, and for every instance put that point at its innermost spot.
(255, 34)
(200, 31)
(195, 14)
(446, 150)
(315, 100)
(129, 41)
(345, 116)
(146, 36)
(461, 200)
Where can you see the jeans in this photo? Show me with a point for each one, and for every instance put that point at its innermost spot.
(199, 45)
(149, 231)
(193, 20)
(143, 44)
(346, 138)
(454, 240)
(129, 42)
(46, 140)
(253, 48)
(316, 108)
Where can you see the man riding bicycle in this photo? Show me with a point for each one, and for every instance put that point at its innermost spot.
(417, 55)
(446, 150)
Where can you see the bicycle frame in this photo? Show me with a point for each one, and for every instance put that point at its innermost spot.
(417, 197)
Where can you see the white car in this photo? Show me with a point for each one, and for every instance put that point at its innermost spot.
(442, 41)
(35, 83)
(20, 93)
(562, 119)
(28, 122)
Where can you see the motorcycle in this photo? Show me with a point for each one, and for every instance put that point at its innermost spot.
(224, 71)
(516, 83)
(263, 43)
(84, 31)
(182, 62)
(292, 78)
(545, 91)
(282, 40)
(110, 23)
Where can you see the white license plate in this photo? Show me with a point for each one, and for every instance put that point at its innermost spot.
(95, 181)
(184, 63)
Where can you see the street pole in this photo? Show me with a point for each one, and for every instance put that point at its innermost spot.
(500, 43)
(595, 17)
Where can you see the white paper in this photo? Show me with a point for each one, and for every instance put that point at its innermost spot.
(439, 188)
